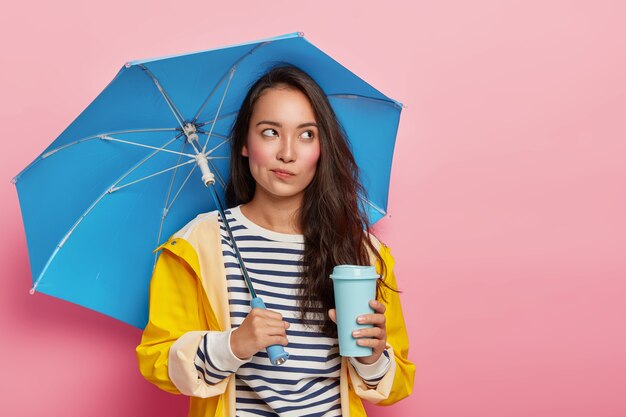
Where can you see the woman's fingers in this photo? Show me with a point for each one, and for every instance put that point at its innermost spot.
(266, 314)
(376, 344)
(378, 318)
(260, 329)
(332, 313)
(374, 337)
(263, 319)
(375, 319)
(375, 332)
(378, 306)
(278, 340)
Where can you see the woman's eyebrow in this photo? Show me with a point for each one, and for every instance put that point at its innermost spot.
(271, 123)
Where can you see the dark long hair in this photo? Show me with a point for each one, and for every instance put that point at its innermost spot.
(333, 220)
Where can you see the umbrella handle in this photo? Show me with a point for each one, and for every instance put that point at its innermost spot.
(276, 353)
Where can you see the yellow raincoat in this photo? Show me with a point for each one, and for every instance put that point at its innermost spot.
(188, 298)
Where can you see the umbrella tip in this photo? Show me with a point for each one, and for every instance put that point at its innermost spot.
(32, 291)
(301, 34)
(14, 180)
(128, 65)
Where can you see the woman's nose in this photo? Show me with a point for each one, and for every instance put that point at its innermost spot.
(287, 153)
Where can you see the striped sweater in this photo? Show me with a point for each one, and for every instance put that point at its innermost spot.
(308, 383)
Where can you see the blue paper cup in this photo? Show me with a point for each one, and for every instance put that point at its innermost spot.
(354, 287)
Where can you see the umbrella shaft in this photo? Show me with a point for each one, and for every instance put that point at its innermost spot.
(244, 271)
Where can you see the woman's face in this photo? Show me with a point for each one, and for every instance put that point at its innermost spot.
(283, 144)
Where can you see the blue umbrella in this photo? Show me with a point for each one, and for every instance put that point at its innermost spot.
(126, 174)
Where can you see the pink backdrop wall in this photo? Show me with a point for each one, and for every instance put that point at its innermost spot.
(507, 198)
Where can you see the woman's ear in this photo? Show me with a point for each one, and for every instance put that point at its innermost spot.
(244, 151)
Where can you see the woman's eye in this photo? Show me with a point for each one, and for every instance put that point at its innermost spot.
(269, 132)
(308, 134)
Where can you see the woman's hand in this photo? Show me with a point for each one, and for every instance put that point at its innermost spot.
(260, 329)
(374, 337)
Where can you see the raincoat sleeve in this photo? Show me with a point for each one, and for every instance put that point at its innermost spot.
(175, 328)
(398, 382)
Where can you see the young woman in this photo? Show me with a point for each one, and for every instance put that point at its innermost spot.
(296, 214)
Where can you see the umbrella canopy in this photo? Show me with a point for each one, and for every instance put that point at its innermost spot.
(124, 176)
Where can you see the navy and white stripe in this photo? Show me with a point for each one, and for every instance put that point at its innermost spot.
(308, 383)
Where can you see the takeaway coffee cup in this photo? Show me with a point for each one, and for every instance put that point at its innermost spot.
(354, 287)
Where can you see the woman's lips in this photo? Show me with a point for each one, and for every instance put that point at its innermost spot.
(282, 173)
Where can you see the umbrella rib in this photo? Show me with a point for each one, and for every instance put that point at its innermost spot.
(217, 173)
(53, 151)
(168, 100)
(130, 171)
(217, 118)
(166, 208)
(210, 151)
(112, 139)
(359, 97)
(169, 190)
(374, 206)
(230, 78)
(89, 209)
(217, 135)
(114, 189)
(178, 192)
(99, 136)
(206, 101)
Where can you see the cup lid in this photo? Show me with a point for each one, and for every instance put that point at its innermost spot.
(354, 272)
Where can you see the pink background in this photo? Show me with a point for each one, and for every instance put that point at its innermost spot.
(508, 195)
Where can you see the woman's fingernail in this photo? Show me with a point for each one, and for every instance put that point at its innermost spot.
(356, 333)
(360, 319)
